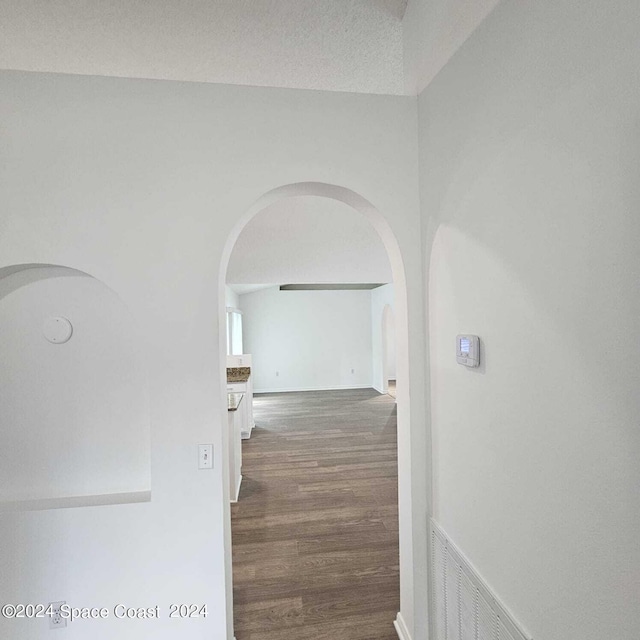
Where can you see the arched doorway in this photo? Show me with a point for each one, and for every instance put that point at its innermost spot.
(412, 578)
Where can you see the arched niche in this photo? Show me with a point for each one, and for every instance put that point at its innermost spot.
(74, 405)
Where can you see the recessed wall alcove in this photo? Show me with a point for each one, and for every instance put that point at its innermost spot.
(73, 408)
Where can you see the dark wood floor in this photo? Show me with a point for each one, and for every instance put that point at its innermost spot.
(315, 532)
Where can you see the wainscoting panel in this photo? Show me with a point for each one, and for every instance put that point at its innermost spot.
(464, 608)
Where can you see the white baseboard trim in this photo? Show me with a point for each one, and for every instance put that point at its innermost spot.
(245, 435)
(380, 391)
(346, 387)
(401, 628)
(234, 500)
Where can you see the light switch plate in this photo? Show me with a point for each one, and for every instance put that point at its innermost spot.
(205, 456)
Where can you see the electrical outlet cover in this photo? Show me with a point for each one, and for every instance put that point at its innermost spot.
(56, 621)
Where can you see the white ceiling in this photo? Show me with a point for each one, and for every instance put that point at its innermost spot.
(241, 289)
(308, 240)
(338, 45)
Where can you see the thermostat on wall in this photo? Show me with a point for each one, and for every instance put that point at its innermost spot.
(468, 350)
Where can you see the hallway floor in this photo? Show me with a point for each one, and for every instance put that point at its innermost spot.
(315, 532)
(392, 388)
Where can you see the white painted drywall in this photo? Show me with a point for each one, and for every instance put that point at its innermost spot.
(530, 155)
(308, 240)
(433, 30)
(308, 340)
(74, 415)
(139, 183)
(380, 298)
(231, 298)
(390, 346)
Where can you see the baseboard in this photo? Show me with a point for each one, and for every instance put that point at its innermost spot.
(293, 390)
(380, 391)
(401, 628)
(234, 500)
(245, 435)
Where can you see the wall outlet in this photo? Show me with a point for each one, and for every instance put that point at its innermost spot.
(277, 373)
(353, 370)
(56, 621)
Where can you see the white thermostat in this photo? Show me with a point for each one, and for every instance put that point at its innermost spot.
(468, 350)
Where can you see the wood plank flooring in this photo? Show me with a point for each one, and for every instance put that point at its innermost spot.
(391, 390)
(315, 531)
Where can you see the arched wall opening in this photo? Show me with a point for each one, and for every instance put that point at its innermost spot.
(410, 574)
(75, 409)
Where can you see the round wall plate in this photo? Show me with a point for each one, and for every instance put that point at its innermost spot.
(57, 330)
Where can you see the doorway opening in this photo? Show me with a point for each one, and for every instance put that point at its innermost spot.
(380, 374)
(389, 351)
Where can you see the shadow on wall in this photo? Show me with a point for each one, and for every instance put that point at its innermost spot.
(74, 410)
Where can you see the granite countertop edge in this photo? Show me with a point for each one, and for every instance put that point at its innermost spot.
(238, 374)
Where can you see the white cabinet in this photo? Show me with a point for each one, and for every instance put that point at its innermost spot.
(246, 387)
(246, 432)
(242, 411)
(240, 419)
(235, 404)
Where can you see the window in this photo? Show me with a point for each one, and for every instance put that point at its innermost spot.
(234, 332)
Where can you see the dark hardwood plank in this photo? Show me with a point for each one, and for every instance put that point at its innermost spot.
(315, 532)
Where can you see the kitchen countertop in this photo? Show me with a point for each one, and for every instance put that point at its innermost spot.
(233, 401)
(238, 374)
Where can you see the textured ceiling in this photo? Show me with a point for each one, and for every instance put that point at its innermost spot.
(308, 239)
(338, 45)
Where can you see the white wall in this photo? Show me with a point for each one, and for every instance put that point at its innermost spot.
(433, 30)
(308, 240)
(231, 298)
(139, 183)
(304, 340)
(380, 298)
(529, 167)
(391, 346)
